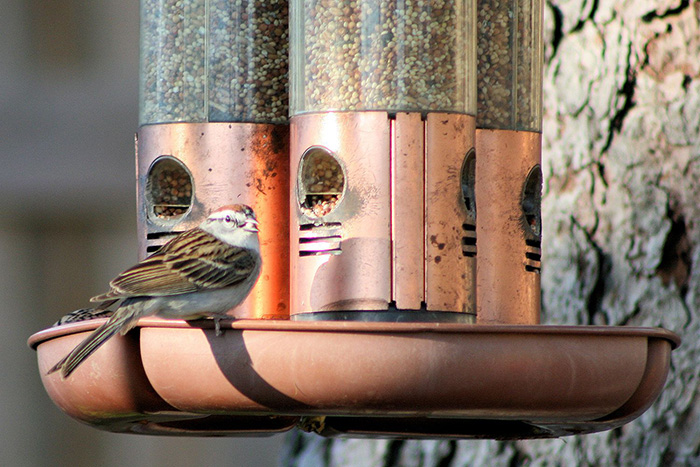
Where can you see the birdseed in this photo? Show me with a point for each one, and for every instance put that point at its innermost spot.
(170, 189)
(509, 68)
(389, 55)
(322, 183)
(214, 60)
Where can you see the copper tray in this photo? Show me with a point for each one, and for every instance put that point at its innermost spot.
(408, 380)
(110, 391)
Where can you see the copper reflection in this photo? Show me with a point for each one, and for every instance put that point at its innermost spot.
(508, 283)
(450, 275)
(395, 237)
(407, 215)
(229, 163)
(357, 277)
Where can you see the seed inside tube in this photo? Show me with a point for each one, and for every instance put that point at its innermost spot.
(357, 54)
(509, 77)
(322, 183)
(213, 60)
(170, 189)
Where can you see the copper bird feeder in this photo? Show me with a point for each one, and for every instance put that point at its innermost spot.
(399, 206)
(213, 128)
(508, 140)
(382, 122)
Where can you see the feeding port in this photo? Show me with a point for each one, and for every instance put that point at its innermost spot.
(469, 196)
(168, 189)
(390, 189)
(321, 183)
(223, 164)
(532, 211)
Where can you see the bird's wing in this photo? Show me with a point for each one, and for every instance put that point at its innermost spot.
(192, 261)
(82, 315)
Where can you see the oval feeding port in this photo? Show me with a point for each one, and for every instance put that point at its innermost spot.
(532, 211)
(321, 182)
(532, 202)
(469, 197)
(169, 189)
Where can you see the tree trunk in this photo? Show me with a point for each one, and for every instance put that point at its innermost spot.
(621, 215)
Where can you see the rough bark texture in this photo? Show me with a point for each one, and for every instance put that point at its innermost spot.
(621, 210)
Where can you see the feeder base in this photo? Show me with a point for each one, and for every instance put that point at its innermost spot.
(360, 379)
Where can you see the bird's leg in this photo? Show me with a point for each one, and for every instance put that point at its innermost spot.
(217, 321)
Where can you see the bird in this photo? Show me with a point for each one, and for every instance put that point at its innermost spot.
(202, 272)
(82, 314)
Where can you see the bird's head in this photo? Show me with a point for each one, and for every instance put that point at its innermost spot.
(235, 224)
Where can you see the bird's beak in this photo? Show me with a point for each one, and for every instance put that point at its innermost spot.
(251, 225)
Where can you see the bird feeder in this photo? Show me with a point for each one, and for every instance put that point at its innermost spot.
(382, 105)
(401, 131)
(213, 127)
(508, 145)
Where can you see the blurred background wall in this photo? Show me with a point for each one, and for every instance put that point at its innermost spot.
(68, 114)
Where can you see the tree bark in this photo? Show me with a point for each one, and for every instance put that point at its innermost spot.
(621, 227)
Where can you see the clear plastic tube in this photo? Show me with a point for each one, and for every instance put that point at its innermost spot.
(392, 55)
(509, 64)
(213, 60)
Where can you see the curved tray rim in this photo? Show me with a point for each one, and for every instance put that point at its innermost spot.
(367, 327)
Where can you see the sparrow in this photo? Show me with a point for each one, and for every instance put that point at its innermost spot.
(202, 272)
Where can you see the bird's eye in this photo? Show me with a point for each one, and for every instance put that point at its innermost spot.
(228, 219)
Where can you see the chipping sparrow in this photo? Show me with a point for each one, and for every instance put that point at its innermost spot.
(200, 273)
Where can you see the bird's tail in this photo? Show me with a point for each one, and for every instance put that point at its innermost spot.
(123, 319)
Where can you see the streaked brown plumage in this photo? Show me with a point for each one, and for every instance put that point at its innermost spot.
(82, 314)
(200, 273)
